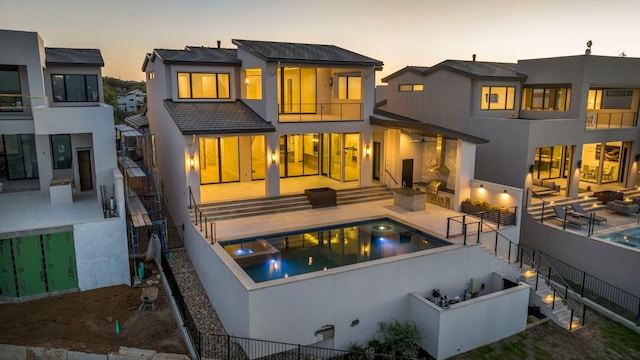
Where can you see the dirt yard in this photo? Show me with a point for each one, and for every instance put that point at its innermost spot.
(86, 321)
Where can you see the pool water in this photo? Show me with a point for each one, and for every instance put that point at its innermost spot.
(629, 237)
(319, 249)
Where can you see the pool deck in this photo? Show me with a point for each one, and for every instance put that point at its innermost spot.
(433, 219)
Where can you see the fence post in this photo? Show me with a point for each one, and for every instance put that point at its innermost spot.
(584, 275)
(448, 225)
(495, 248)
(464, 233)
(478, 236)
(228, 347)
(298, 351)
(509, 256)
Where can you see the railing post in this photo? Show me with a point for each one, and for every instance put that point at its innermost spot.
(448, 226)
(206, 230)
(464, 233)
(495, 247)
(542, 213)
(478, 236)
(553, 303)
(584, 276)
(509, 256)
(298, 351)
(228, 347)
(571, 320)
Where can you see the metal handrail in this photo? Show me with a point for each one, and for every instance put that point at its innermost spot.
(321, 111)
(391, 176)
(206, 225)
(554, 280)
(608, 120)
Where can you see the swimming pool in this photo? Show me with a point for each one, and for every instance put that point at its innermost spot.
(629, 237)
(319, 249)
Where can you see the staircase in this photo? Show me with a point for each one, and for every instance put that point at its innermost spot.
(550, 303)
(262, 206)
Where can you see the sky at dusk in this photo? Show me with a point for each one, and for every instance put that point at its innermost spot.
(397, 32)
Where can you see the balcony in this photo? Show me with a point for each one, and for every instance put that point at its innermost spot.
(611, 119)
(13, 105)
(311, 112)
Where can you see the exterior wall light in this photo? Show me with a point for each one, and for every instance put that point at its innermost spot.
(579, 164)
(367, 151)
(505, 191)
(637, 157)
(274, 157)
(482, 185)
(531, 168)
(192, 162)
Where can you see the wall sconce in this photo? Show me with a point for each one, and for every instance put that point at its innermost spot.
(192, 162)
(330, 82)
(637, 157)
(481, 185)
(274, 157)
(579, 163)
(367, 151)
(531, 168)
(505, 192)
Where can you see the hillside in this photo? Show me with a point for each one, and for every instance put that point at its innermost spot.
(113, 87)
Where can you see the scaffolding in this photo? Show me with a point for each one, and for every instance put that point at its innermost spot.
(137, 162)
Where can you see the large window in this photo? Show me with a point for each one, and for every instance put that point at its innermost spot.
(219, 160)
(253, 83)
(497, 98)
(61, 151)
(349, 86)
(297, 90)
(20, 157)
(203, 85)
(410, 87)
(75, 88)
(610, 99)
(546, 98)
(10, 99)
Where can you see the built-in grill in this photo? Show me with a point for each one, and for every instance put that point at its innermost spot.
(432, 191)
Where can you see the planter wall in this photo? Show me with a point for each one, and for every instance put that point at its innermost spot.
(500, 216)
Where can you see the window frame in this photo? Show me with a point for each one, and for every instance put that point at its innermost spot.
(68, 154)
(508, 104)
(549, 92)
(412, 87)
(16, 102)
(85, 88)
(216, 82)
(347, 87)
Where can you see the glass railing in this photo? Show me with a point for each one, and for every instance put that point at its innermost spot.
(295, 112)
(11, 103)
(611, 120)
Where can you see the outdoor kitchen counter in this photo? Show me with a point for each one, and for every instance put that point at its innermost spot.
(410, 199)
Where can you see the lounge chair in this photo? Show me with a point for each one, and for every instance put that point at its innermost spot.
(578, 208)
(569, 217)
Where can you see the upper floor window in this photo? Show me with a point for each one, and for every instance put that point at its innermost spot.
(10, 93)
(497, 98)
(151, 75)
(253, 83)
(203, 85)
(410, 87)
(610, 99)
(75, 88)
(349, 86)
(546, 98)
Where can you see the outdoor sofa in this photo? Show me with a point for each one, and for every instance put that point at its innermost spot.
(545, 187)
(623, 207)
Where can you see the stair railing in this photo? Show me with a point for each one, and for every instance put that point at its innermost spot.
(555, 281)
(391, 176)
(201, 221)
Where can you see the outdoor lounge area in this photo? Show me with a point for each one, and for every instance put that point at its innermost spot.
(623, 207)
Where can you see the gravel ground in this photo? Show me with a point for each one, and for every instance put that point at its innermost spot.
(194, 295)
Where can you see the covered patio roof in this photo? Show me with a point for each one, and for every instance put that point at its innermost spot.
(394, 121)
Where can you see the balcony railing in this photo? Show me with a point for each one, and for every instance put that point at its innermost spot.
(11, 103)
(296, 112)
(611, 120)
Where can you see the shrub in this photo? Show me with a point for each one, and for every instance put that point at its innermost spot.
(397, 339)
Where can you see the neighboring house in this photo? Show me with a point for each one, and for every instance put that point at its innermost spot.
(132, 102)
(255, 121)
(569, 120)
(62, 224)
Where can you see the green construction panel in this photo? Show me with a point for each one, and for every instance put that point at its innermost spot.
(28, 257)
(7, 276)
(60, 257)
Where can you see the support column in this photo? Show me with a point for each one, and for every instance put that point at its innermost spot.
(272, 163)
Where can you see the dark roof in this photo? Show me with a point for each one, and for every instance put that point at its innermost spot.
(194, 55)
(66, 56)
(481, 69)
(305, 53)
(420, 70)
(137, 121)
(216, 118)
(395, 121)
(473, 69)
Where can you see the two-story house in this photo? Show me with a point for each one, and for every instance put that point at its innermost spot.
(132, 101)
(62, 207)
(571, 121)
